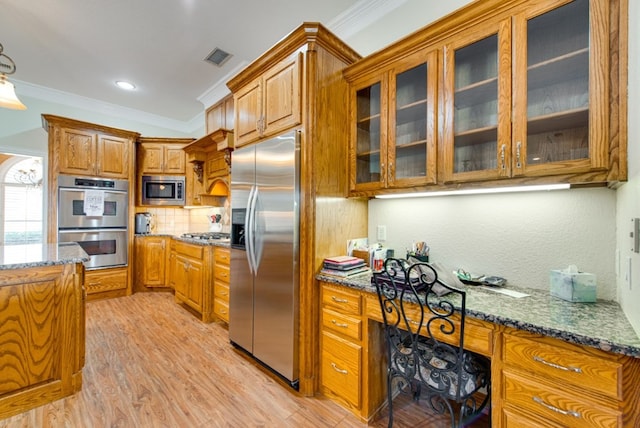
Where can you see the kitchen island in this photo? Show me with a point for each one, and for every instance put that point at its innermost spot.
(569, 364)
(42, 326)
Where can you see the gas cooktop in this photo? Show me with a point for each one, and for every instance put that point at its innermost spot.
(207, 236)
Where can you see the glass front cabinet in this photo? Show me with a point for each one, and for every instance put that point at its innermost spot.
(393, 138)
(524, 91)
(522, 98)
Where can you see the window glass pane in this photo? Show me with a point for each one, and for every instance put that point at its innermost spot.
(23, 203)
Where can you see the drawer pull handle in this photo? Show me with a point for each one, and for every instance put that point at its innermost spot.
(555, 409)
(338, 300)
(337, 324)
(337, 369)
(557, 366)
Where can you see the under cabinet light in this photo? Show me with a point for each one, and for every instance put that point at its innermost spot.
(537, 188)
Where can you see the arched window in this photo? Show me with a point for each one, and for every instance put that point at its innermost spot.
(22, 200)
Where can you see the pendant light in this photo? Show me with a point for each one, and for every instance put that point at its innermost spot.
(8, 96)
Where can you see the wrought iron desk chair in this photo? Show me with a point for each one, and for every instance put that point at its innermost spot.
(425, 346)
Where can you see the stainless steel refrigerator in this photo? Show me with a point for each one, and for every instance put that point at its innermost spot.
(263, 297)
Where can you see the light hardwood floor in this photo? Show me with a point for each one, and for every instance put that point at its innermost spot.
(151, 363)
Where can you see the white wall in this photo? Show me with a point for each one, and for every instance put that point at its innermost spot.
(519, 236)
(628, 201)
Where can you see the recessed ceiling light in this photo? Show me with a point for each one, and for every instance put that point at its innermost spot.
(125, 85)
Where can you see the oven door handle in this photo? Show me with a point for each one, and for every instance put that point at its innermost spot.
(90, 230)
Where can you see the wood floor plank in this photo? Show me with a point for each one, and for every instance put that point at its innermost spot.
(151, 363)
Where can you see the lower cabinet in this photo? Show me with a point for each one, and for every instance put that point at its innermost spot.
(191, 277)
(152, 253)
(341, 346)
(221, 287)
(106, 282)
(565, 385)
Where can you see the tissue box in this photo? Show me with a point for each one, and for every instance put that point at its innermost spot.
(574, 287)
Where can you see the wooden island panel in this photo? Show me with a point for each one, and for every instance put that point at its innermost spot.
(41, 335)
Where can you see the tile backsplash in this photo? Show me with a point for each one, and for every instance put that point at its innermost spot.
(176, 221)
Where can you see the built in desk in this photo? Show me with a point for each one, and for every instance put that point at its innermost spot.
(553, 363)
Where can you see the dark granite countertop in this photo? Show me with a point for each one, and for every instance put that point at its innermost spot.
(601, 325)
(203, 242)
(37, 255)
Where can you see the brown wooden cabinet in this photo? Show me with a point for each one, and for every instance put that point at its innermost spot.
(297, 84)
(269, 104)
(565, 385)
(191, 276)
(220, 115)
(87, 149)
(42, 335)
(162, 155)
(221, 287)
(341, 347)
(394, 137)
(527, 93)
(152, 254)
(90, 153)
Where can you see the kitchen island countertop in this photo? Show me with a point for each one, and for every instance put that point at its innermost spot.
(37, 255)
(601, 325)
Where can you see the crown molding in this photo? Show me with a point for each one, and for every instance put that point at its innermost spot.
(84, 103)
(219, 90)
(361, 15)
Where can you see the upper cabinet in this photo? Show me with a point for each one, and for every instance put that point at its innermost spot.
(394, 133)
(220, 115)
(162, 155)
(523, 93)
(270, 103)
(88, 150)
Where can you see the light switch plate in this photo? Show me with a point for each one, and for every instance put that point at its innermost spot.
(382, 233)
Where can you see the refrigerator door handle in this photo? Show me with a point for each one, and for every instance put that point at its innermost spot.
(257, 243)
(249, 224)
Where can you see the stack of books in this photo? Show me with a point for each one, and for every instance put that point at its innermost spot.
(344, 266)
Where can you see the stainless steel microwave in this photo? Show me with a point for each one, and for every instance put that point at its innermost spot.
(163, 190)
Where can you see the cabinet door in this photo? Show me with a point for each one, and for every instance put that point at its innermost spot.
(195, 284)
(281, 97)
(477, 104)
(179, 276)
(174, 160)
(151, 158)
(228, 113)
(248, 113)
(77, 152)
(561, 73)
(411, 153)
(113, 157)
(214, 117)
(154, 256)
(368, 151)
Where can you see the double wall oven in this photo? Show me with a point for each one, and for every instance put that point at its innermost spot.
(93, 212)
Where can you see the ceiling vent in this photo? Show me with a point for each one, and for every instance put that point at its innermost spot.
(218, 57)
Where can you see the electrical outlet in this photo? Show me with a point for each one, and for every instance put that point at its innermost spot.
(382, 233)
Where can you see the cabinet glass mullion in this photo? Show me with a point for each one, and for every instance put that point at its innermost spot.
(410, 153)
(558, 84)
(476, 106)
(368, 127)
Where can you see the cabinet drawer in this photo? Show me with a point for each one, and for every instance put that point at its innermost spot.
(565, 408)
(100, 280)
(565, 363)
(512, 418)
(341, 324)
(344, 302)
(221, 309)
(193, 251)
(222, 273)
(341, 368)
(222, 256)
(222, 291)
